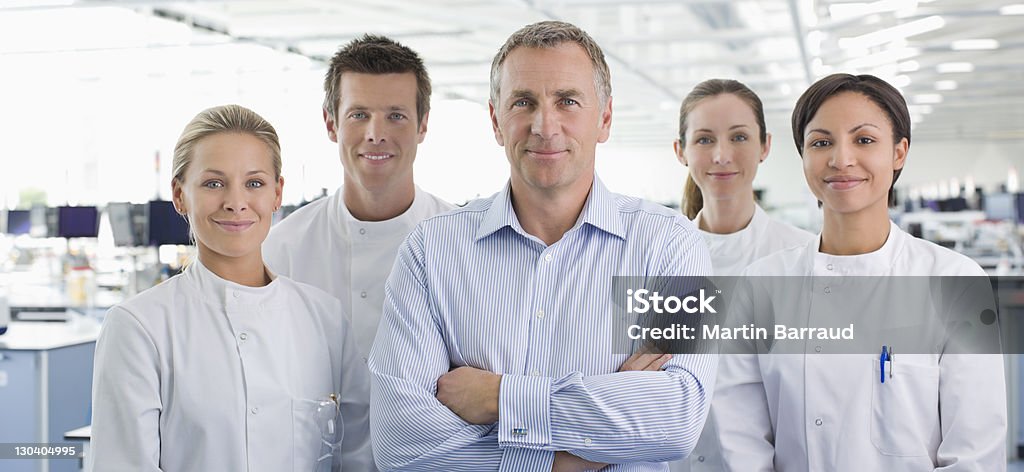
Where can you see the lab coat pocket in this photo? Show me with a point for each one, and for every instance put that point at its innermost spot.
(904, 409)
(317, 432)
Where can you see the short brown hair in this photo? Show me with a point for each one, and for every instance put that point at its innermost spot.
(693, 200)
(548, 34)
(877, 90)
(374, 54)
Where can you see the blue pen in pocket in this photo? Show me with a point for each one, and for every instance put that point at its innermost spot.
(881, 363)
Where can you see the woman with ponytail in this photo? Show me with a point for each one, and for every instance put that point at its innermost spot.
(722, 140)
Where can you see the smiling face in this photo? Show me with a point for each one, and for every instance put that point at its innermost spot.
(849, 155)
(722, 147)
(376, 129)
(549, 118)
(229, 193)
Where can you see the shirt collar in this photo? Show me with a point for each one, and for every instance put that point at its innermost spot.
(754, 228)
(878, 262)
(347, 224)
(601, 211)
(223, 292)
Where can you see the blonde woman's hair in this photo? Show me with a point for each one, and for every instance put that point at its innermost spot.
(224, 119)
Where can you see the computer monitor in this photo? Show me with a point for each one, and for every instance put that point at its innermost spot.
(1000, 206)
(77, 222)
(953, 204)
(166, 226)
(121, 224)
(18, 222)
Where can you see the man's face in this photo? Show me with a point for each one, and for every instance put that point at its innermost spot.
(376, 129)
(549, 118)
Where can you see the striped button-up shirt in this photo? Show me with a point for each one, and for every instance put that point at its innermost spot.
(471, 288)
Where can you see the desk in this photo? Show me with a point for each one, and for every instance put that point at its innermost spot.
(45, 387)
(81, 435)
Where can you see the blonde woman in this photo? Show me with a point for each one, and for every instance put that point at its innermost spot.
(723, 140)
(227, 366)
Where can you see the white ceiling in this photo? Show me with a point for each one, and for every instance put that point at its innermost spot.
(657, 49)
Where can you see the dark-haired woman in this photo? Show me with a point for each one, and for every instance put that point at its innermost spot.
(813, 409)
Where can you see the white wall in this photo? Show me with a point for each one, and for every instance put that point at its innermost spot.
(988, 162)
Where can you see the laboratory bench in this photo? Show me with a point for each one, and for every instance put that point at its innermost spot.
(45, 387)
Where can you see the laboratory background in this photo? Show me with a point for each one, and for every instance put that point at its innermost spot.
(93, 96)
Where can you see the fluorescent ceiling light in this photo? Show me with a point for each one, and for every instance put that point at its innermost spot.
(813, 42)
(920, 109)
(1015, 9)
(842, 11)
(909, 66)
(974, 44)
(928, 98)
(901, 81)
(889, 56)
(954, 67)
(901, 31)
(945, 85)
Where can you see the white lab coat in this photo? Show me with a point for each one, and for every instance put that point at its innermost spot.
(202, 374)
(323, 245)
(818, 412)
(730, 254)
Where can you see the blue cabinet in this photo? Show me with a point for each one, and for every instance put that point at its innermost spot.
(45, 389)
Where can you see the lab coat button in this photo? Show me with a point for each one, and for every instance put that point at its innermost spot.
(236, 294)
(362, 294)
(817, 348)
(243, 336)
(362, 230)
(828, 289)
(829, 267)
(700, 459)
(818, 422)
(254, 410)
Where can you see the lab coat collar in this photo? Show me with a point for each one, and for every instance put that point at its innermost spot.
(600, 211)
(879, 262)
(348, 226)
(756, 225)
(220, 292)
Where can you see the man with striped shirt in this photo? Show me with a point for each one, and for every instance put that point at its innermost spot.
(494, 351)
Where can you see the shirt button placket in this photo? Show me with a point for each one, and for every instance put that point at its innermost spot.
(539, 324)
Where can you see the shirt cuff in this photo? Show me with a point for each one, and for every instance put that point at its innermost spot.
(519, 460)
(524, 411)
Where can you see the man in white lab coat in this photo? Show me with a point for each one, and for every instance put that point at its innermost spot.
(376, 108)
